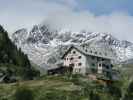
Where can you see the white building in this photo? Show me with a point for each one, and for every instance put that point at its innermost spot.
(89, 60)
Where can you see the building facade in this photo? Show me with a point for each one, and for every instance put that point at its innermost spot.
(86, 60)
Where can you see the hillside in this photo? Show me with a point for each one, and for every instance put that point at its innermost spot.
(14, 64)
(66, 87)
(60, 88)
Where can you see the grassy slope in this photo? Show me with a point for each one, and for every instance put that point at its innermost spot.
(40, 87)
(57, 88)
(60, 86)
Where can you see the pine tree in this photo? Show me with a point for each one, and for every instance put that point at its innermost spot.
(13, 59)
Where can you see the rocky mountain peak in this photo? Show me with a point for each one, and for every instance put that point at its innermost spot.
(20, 36)
(40, 34)
(40, 44)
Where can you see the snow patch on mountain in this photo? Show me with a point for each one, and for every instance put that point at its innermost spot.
(45, 46)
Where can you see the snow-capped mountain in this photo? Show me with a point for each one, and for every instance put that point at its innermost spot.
(46, 47)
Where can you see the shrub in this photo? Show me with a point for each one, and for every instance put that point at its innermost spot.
(114, 90)
(94, 96)
(3, 98)
(23, 93)
(129, 93)
(76, 79)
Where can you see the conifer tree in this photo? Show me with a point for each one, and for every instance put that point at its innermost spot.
(13, 59)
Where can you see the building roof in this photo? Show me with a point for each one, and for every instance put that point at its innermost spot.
(93, 51)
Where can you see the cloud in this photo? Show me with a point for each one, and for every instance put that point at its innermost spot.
(18, 14)
(118, 24)
(69, 3)
(63, 14)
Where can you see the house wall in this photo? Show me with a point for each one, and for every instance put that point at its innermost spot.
(95, 64)
(89, 64)
(104, 67)
(77, 59)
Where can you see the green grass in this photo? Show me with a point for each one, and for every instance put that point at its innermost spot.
(40, 87)
(57, 88)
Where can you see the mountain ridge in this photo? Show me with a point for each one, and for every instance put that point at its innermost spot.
(42, 43)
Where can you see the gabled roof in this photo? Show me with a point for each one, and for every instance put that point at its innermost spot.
(71, 47)
(91, 51)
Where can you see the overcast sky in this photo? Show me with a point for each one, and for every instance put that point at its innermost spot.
(113, 16)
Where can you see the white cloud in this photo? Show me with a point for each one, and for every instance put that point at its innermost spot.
(26, 13)
(61, 14)
(118, 24)
(70, 3)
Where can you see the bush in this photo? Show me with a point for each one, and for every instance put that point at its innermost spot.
(94, 96)
(114, 90)
(23, 93)
(3, 98)
(129, 93)
(75, 78)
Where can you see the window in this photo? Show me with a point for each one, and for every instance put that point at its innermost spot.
(86, 50)
(93, 64)
(91, 51)
(107, 67)
(105, 54)
(98, 59)
(79, 64)
(100, 65)
(95, 52)
(102, 59)
(71, 58)
(100, 53)
(71, 65)
(74, 52)
(79, 57)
